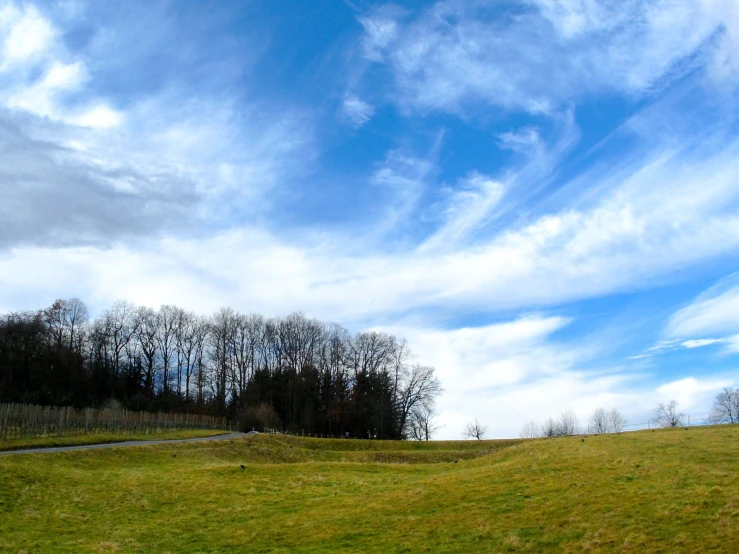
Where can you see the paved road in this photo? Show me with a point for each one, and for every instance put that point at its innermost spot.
(115, 444)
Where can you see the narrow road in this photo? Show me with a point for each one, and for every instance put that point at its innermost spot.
(115, 444)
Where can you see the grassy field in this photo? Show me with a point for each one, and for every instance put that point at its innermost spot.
(102, 438)
(669, 491)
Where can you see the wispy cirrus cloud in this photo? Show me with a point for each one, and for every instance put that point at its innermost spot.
(356, 111)
(622, 242)
(714, 312)
(457, 52)
(467, 207)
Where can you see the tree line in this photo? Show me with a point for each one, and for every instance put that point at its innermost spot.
(292, 374)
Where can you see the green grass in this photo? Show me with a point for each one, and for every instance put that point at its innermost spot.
(101, 438)
(669, 491)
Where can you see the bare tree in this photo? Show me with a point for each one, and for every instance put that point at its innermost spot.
(550, 428)
(223, 324)
(475, 430)
(421, 424)
(530, 430)
(119, 327)
(76, 317)
(66, 319)
(725, 407)
(201, 332)
(568, 423)
(147, 327)
(246, 338)
(599, 421)
(419, 387)
(667, 414)
(166, 338)
(616, 421)
(187, 346)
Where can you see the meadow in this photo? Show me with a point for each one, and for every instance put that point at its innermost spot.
(671, 490)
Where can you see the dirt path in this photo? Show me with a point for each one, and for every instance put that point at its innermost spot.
(115, 444)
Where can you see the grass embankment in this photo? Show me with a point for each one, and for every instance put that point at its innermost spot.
(674, 491)
(102, 438)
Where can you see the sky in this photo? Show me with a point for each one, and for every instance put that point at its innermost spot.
(541, 196)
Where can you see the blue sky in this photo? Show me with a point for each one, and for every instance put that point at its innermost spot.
(541, 196)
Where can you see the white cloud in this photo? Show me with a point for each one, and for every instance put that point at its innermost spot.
(25, 34)
(732, 344)
(525, 140)
(700, 343)
(454, 53)
(380, 31)
(469, 206)
(494, 356)
(573, 17)
(170, 157)
(41, 97)
(400, 181)
(356, 111)
(693, 396)
(100, 117)
(45, 80)
(634, 234)
(507, 373)
(716, 311)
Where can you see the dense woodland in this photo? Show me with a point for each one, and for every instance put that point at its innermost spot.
(293, 373)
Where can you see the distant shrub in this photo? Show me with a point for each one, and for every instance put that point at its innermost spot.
(260, 417)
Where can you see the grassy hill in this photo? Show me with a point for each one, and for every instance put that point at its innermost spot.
(671, 490)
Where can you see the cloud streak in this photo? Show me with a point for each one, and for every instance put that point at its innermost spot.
(714, 311)
(456, 53)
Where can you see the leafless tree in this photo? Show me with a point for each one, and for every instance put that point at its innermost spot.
(599, 421)
(222, 328)
(166, 338)
(76, 317)
(475, 430)
(66, 319)
(119, 327)
(530, 430)
(421, 424)
(568, 423)
(188, 341)
(725, 407)
(201, 332)
(667, 414)
(295, 339)
(616, 421)
(418, 389)
(147, 327)
(246, 338)
(550, 428)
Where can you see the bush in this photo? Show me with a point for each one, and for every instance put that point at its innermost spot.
(261, 417)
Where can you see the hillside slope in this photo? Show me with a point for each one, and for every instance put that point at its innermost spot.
(672, 490)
